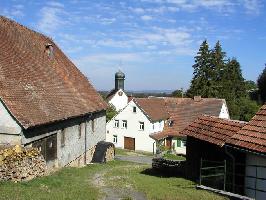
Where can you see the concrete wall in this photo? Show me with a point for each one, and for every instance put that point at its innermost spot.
(9, 129)
(142, 140)
(119, 102)
(260, 172)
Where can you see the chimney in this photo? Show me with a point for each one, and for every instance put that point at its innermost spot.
(197, 98)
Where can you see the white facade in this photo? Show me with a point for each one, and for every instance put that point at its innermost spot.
(224, 113)
(143, 142)
(119, 100)
(255, 167)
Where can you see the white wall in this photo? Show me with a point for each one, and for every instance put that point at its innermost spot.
(9, 129)
(224, 112)
(142, 140)
(179, 149)
(252, 159)
(119, 102)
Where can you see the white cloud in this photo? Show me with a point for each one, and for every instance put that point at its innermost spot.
(51, 18)
(252, 6)
(146, 17)
(13, 12)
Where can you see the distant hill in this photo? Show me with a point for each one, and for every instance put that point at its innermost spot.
(143, 93)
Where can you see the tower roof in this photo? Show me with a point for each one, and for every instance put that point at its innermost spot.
(119, 74)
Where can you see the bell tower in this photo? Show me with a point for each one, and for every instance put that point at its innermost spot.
(119, 80)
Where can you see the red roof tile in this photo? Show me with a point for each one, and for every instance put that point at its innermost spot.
(253, 135)
(213, 129)
(153, 107)
(38, 88)
(183, 111)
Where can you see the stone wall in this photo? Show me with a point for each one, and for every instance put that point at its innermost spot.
(19, 163)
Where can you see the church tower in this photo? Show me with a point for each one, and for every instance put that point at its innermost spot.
(119, 80)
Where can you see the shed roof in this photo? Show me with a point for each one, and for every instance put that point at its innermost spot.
(253, 135)
(38, 88)
(213, 129)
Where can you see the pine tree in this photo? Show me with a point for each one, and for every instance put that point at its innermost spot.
(202, 82)
(217, 58)
(262, 85)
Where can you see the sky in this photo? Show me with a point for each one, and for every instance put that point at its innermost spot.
(152, 41)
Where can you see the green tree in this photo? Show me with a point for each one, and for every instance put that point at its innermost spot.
(217, 60)
(217, 76)
(178, 93)
(262, 85)
(110, 113)
(202, 83)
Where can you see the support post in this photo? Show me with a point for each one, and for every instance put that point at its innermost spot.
(224, 175)
(200, 171)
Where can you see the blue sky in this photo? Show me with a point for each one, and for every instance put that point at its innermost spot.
(153, 41)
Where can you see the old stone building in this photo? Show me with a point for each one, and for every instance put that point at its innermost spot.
(45, 101)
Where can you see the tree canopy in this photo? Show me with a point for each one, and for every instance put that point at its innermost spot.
(217, 76)
(262, 85)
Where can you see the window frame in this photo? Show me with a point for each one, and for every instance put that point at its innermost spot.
(141, 126)
(116, 125)
(115, 139)
(63, 137)
(134, 109)
(124, 122)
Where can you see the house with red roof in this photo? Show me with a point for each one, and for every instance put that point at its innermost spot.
(45, 101)
(146, 123)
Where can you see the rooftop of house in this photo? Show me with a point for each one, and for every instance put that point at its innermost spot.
(183, 111)
(253, 135)
(213, 129)
(38, 83)
(153, 107)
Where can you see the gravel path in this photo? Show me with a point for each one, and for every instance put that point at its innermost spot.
(135, 158)
(111, 193)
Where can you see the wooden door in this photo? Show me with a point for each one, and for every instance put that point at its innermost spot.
(169, 143)
(129, 143)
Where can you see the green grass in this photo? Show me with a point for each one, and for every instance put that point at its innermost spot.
(173, 157)
(156, 187)
(76, 183)
(68, 183)
(125, 152)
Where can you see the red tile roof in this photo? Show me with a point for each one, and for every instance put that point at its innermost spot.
(253, 135)
(183, 111)
(38, 88)
(153, 107)
(213, 129)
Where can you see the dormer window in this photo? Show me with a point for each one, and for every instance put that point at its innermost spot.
(170, 123)
(49, 49)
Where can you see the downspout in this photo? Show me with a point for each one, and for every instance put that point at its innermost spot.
(234, 161)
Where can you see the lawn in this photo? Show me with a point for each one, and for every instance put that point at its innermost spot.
(173, 157)
(78, 183)
(124, 152)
